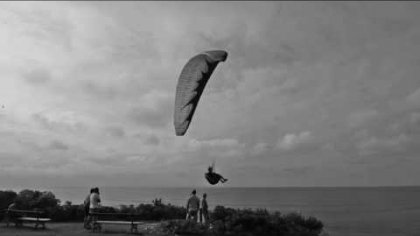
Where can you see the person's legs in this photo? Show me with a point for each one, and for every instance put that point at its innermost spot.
(201, 215)
(224, 179)
(89, 220)
(86, 219)
(193, 215)
(190, 215)
(93, 218)
(206, 217)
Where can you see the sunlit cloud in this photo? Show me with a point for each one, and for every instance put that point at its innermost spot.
(88, 89)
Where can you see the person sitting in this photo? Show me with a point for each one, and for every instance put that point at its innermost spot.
(10, 214)
(213, 177)
(12, 207)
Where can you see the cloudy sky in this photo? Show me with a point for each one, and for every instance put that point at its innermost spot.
(312, 93)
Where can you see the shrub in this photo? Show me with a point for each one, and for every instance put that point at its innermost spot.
(29, 199)
(34, 200)
(68, 212)
(260, 222)
(299, 225)
(6, 198)
(159, 211)
(184, 227)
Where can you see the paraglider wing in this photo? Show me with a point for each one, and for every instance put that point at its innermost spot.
(191, 83)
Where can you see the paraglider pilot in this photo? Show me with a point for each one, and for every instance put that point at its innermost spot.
(213, 177)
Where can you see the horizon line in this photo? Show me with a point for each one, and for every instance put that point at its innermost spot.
(209, 187)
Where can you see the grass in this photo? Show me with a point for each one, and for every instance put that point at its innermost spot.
(69, 229)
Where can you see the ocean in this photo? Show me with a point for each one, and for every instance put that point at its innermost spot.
(345, 211)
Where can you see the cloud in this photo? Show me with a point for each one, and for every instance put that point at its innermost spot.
(62, 120)
(208, 149)
(99, 79)
(361, 117)
(301, 170)
(415, 118)
(115, 131)
(218, 147)
(99, 91)
(225, 143)
(10, 160)
(37, 76)
(260, 148)
(294, 140)
(154, 109)
(149, 117)
(152, 140)
(374, 145)
(148, 139)
(414, 98)
(58, 145)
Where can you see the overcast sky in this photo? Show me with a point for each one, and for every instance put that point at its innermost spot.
(311, 94)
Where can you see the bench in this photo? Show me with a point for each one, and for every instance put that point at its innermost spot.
(21, 216)
(97, 223)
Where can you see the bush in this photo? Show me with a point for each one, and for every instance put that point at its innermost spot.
(50, 205)
(68, 212)
(6, 198)
(184, 227)
(29, 199)
(300, 225)
(160, 211)
(260, 222)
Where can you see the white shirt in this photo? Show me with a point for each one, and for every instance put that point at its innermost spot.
(94, 200)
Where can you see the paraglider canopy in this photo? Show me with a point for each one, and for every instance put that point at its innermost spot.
(190, 86)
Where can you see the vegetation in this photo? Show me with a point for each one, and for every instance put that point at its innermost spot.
(223, 221)
(51, 207)
(228, 221)
(6, 198)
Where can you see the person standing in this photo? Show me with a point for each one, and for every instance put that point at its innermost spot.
(204, 211)
(94, 204)
(86, 205)
(193, 205)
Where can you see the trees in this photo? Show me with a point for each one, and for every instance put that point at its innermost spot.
(30, 199)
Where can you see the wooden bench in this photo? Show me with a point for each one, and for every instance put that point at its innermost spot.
(97, 223)
(21, 216)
